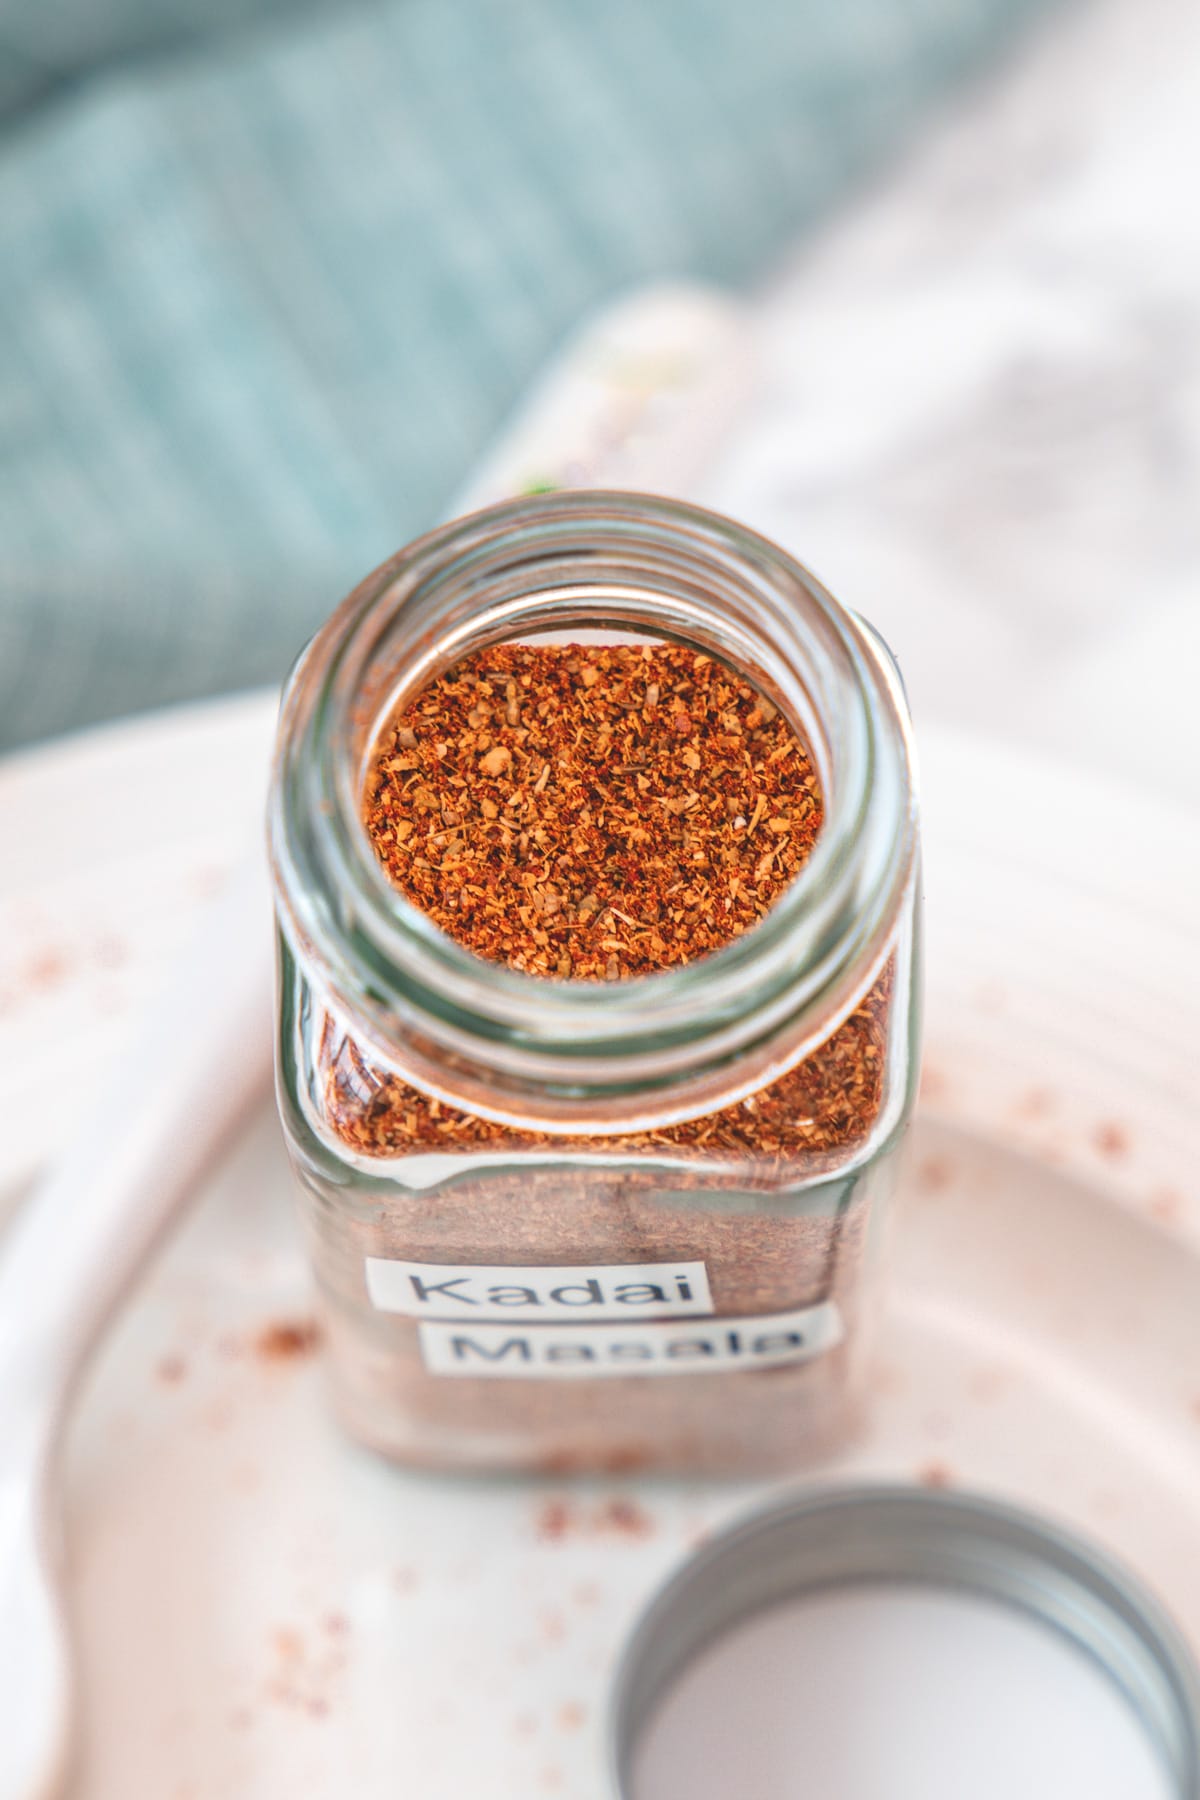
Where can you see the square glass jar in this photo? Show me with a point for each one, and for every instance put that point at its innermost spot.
(566, 1225)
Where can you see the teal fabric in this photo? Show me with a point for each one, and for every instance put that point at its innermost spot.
(266, 292)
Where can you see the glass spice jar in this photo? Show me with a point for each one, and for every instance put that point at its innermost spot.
(563, 1224)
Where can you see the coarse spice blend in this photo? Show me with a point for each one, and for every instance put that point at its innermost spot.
(595, 854)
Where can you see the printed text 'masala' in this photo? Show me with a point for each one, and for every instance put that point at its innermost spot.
(682, 1347)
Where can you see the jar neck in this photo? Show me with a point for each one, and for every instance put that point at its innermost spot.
(572, 1055)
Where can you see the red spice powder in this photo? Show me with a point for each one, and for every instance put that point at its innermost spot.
(286, 1340)
(600, 813)
(591, 813)
(619, 1516)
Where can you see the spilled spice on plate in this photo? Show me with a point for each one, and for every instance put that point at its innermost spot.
(287, 1340)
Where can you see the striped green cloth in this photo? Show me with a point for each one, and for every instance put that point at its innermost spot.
(267, 289)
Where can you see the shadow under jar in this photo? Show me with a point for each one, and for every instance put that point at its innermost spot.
(563, 1224)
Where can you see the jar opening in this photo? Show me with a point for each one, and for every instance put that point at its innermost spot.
(622, 567)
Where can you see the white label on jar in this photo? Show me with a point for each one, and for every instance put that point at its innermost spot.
(475, 1291)
(684, 1347)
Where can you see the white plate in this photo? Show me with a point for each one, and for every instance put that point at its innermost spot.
(265, 1611)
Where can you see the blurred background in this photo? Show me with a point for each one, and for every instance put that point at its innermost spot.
(274, 275)
(913, 286)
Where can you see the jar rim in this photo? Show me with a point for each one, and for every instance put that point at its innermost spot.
(571, 1054)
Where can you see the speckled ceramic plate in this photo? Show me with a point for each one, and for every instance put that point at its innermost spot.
(266, 1611)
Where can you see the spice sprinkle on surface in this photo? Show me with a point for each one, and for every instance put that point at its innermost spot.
(592, 812)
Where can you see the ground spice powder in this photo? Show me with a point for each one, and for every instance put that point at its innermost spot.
(592, 813)
(598, 813)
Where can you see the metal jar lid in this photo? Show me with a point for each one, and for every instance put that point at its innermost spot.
(813, 1543)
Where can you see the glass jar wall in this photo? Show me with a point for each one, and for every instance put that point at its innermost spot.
(566, 1224)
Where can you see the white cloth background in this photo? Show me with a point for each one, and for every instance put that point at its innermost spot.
(978, 408)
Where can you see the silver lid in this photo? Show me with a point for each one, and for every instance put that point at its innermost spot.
(812, 1543)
